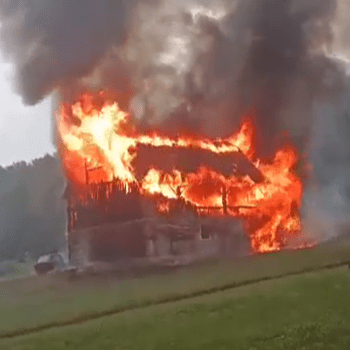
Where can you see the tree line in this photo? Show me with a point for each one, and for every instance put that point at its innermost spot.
(32, 209)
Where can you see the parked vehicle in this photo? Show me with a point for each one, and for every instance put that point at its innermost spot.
(51, 263)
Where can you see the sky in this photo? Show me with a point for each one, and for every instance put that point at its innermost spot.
(25, 132)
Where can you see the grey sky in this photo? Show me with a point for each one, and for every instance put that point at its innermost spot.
(25, 132)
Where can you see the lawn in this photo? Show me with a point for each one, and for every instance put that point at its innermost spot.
(37, 303)
(14, 269)
(308, 311)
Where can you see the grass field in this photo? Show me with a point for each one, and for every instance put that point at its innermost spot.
(287, 313)
(310, 311)
(14, 269)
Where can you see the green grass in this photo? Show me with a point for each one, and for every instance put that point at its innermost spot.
(13, 269)
(309, 311)
(37, 303)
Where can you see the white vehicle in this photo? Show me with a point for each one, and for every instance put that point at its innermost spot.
(51, 263)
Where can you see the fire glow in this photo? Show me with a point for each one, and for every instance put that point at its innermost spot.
(105, 138)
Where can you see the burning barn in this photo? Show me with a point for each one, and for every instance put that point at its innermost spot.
(138, 195)
(109, 220)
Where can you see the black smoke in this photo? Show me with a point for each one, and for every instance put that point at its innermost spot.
(53, 43)
(201, 62)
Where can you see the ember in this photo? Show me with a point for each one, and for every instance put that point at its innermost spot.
(221, 174)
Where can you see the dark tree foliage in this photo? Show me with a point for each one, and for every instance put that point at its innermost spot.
(32, 211)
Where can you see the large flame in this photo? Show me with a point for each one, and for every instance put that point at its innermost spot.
(104, 138)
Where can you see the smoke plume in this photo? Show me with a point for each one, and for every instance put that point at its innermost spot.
(198, 65)
(195, 62)
(53, 43)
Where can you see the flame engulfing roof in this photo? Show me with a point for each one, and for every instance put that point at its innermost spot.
(201, 172)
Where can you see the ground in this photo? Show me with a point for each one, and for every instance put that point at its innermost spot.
(304, 311)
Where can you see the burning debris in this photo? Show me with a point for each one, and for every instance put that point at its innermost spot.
(150, 93)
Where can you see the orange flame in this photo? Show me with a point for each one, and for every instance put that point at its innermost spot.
(105, 137)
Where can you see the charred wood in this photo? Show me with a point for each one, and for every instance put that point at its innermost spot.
(189, 160)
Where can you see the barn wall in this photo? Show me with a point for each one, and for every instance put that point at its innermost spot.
(152, 238)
